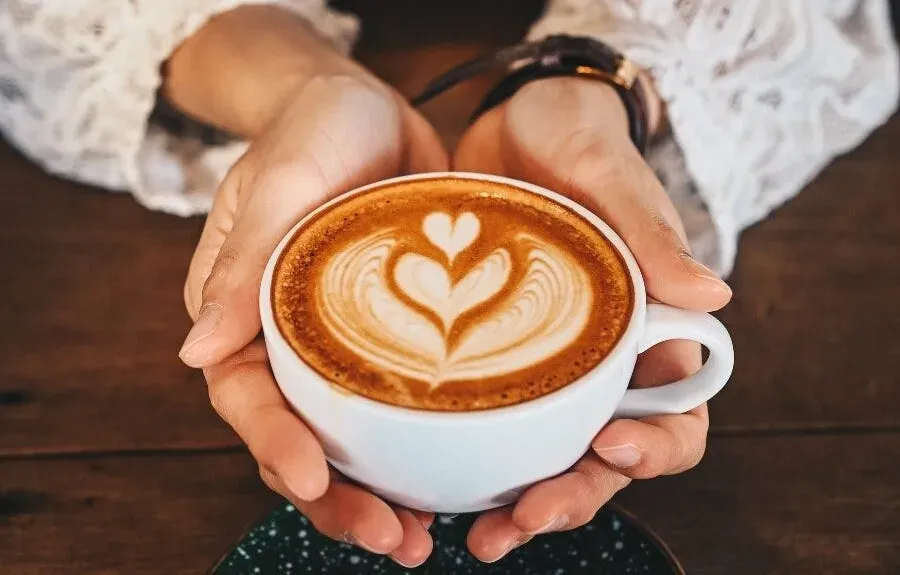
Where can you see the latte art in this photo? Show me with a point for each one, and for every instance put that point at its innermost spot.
(543, 313)
(450, 294)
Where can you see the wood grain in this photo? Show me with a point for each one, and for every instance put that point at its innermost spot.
(94, 312)
(802, 505)
(92, 307)
(810, 504)
(816, 504)
(815, 317)
(111, 460)
(136, 515)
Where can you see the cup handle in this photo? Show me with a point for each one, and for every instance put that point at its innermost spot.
(664, 323)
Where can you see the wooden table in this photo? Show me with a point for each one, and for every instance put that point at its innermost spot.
(111, 460)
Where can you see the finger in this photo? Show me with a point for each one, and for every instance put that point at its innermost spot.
(658, 445)
(578, 155)
(244, 394)
(218, 224)
(332, 154)
(666, 362)
(494, 534)
(416, 545)
(569, 500)
(426, 518)
(628, 198)
(349, 514)
(424, 150)
(480, 149)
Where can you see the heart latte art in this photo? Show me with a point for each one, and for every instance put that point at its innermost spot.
(404, 325)
(450, 295)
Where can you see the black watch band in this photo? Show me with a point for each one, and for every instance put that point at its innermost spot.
(554, 56)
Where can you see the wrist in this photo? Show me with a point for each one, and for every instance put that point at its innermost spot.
(239, 70)
(604, 96)
(263, 109)
(619, 115)
(582, 98)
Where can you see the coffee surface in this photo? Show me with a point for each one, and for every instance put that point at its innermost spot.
(450, 295)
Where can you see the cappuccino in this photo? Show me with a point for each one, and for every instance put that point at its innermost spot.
(450, 294)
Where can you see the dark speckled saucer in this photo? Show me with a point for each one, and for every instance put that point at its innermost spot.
(614, 543)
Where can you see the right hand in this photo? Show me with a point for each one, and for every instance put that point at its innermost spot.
(335, 133)
(571, 135)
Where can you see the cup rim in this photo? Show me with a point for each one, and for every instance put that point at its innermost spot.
(275, 341)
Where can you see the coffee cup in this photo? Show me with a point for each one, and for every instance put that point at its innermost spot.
(472, 459)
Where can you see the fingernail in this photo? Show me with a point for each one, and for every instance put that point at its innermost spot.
(522, 539)
(350, 539)
(406, 565)
(621, 456)
(206, 324)
(698, 269)
(555, 524)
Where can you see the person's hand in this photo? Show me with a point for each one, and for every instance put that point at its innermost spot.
(570, 135)
(335, 133)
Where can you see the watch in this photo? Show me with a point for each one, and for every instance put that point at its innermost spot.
(555, 56)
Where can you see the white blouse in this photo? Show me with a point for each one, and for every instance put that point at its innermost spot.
(760, 95)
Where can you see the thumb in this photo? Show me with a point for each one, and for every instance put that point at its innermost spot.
(334, 154)
(481, 147)
(627, 196)
(597, 166)
(423, 148)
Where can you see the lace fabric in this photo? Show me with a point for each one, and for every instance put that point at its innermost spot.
(78, 82)
(760, 95)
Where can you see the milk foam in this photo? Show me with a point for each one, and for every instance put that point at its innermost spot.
(543, 313)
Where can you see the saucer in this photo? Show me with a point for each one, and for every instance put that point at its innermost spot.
(614, 543)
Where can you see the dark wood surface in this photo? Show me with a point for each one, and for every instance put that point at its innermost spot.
(786, 504)
(111, 460)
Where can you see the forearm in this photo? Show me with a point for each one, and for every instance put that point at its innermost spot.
(237, 71)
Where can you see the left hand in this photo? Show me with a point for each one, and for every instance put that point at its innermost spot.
(336, 132)
(570, 135)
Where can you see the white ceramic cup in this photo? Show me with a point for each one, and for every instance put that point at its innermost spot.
(456, 462)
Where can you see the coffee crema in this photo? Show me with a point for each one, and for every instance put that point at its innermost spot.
(450, 294)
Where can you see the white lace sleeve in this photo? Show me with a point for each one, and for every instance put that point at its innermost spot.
(78, 81)
(760, 95)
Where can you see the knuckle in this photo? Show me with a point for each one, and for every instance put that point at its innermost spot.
(594, 486)
(694, 456)
(227, 260)
(697, 457)
(661, 226)
(217, 398)
(270, 455)
(223, 388)
(589, 501)
(269, 478)
(189, 299)
(232, 384)
(267, 459)
(689, 451)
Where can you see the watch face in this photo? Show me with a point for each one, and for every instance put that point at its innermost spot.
(613, 542)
